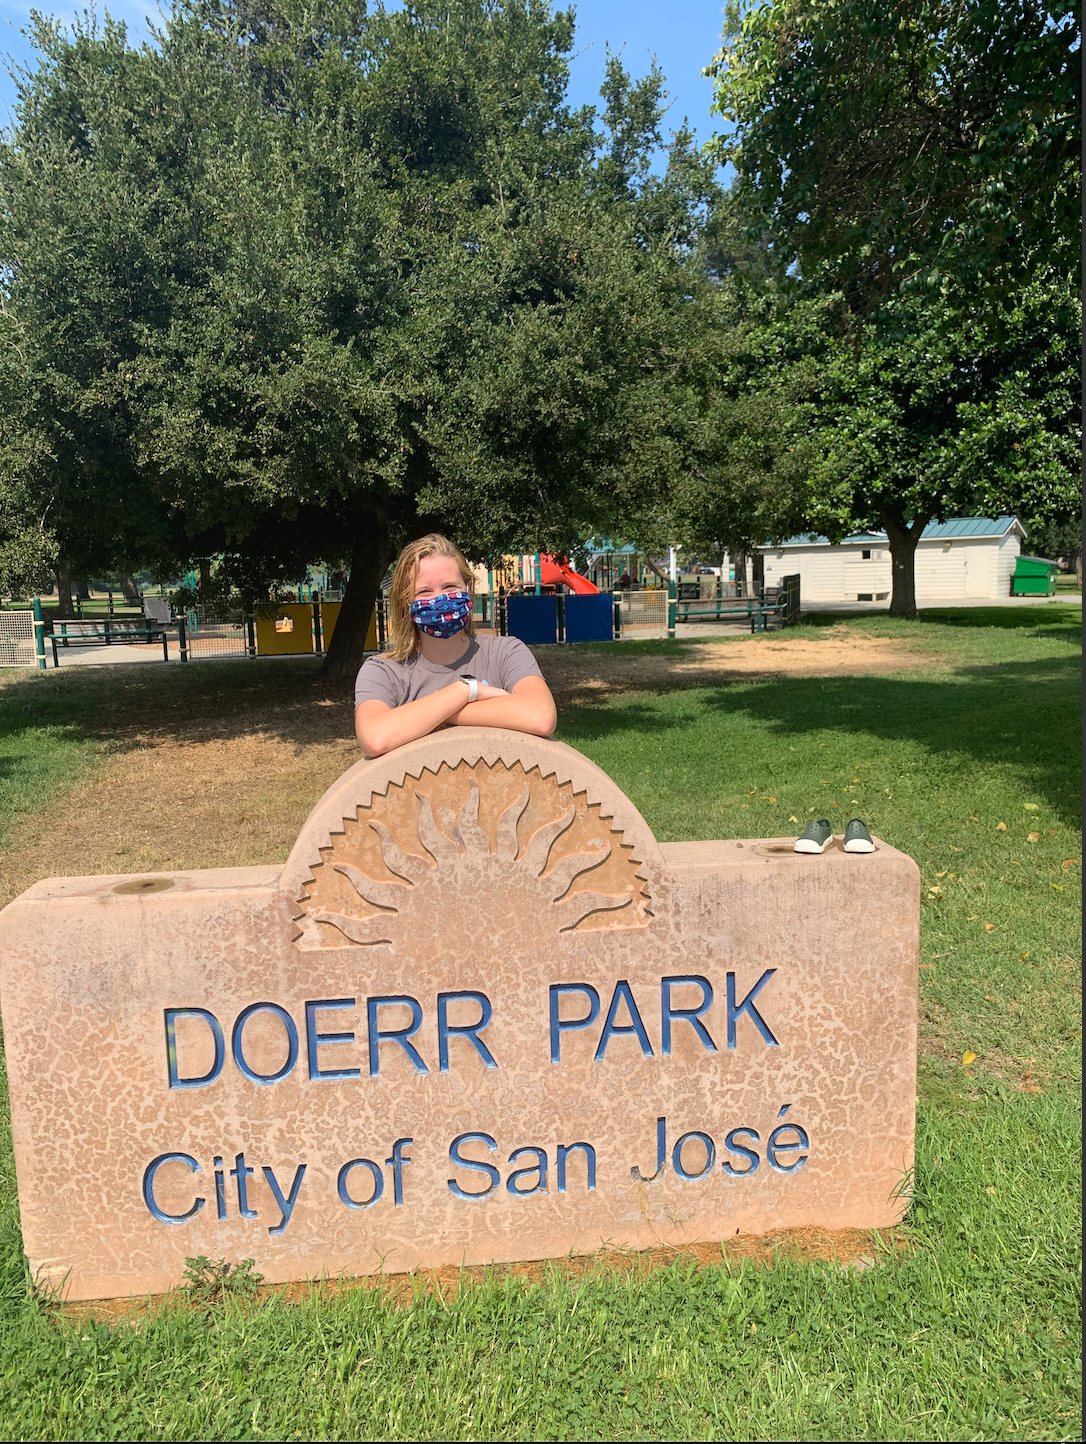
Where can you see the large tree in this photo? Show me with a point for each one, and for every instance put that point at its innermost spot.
(353, 274)
(941, 412)
(920, 162)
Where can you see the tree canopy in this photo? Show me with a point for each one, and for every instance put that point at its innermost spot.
(301, 282)
(907, 143)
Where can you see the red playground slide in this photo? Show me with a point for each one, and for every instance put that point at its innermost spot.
(552, 572)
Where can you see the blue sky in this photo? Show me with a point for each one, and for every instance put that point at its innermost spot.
(682, 35)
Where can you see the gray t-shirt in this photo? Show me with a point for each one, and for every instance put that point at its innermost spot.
(498, 661)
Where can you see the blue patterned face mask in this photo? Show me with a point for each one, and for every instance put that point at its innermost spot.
(442, 616)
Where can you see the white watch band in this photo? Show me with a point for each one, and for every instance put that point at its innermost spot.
(473, 688)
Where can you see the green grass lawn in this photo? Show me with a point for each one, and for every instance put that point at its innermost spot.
(971, 1333)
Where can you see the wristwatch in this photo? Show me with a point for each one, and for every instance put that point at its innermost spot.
(472, 685)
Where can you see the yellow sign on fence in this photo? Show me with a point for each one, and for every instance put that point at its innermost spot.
(289, 631)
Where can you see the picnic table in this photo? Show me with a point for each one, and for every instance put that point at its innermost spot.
(754, 608)
(782, 602)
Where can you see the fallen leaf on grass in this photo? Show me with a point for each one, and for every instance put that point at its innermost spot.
(1032, 1088)
(968, 1057)
(793, 819)
(1072, 862)
(1057, 887)
(1032, 806)
(940, 874)
(1034, 837)
(988, 998)
(1023, 956)
(990, 1190)
(973, 819)
(973, 918)
(935, 892)
(1001, 827)
(927, 965)
(989, 927)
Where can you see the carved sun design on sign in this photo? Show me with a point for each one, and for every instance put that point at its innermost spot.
(468, 848)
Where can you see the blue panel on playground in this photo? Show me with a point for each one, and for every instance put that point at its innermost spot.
(533, 619)
(590, 619)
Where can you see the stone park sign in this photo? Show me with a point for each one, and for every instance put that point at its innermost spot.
(480, 1015)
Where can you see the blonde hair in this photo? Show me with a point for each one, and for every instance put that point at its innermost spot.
(402, 632)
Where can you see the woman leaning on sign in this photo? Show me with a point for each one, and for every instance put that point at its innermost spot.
(437, 673)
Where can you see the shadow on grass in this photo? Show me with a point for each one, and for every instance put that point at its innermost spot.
(1044, 619)
(125, 706)
(1017, 711)
(1023, 713)
(1062, 621)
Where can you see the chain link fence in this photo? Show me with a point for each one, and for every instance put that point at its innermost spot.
(211, 632)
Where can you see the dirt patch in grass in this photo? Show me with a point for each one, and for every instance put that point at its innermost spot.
(854, 1248)
(581, 677)
(220, 781)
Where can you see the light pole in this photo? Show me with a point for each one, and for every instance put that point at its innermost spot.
(672, 590)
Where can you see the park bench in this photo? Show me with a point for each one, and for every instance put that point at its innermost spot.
(110, 632)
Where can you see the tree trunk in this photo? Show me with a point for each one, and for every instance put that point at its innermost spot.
(205, 578)
(739, 562)
(903, 539)
(64, 590)
(129, 589)
(370, 557)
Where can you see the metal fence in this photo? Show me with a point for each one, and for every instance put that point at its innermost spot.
(642, 611)
(17, 639)
(212, 633)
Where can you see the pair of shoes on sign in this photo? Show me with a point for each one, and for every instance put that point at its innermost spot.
(817, 836)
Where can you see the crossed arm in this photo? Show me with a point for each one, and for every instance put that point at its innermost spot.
(529, 707)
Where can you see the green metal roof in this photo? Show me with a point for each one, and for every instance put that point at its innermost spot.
(959, 527)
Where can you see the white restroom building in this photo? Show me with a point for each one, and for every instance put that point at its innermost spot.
(971, 556)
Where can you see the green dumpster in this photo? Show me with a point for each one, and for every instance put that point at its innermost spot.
(1034, 577)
